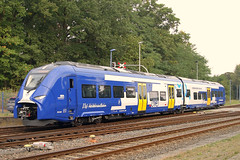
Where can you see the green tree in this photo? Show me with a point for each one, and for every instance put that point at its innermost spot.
(13, 66)
(236, 82)
(224, 79)
(37, 32)
(154, 23)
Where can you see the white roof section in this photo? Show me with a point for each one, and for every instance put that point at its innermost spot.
(187, 80)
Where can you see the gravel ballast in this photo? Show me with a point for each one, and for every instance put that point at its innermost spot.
(151, 153)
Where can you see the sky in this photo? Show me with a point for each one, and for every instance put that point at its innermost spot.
(214, 27)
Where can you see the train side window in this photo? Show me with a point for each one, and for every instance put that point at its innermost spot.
(219, 94)
(88, 91)
(153, 95)
(71, 81)
(204, 96)
(118, 92)
(169, 93)
(195, 95)
(130, 92)
(139, 92)
(199, 95)
(216, 95)
(144, 92)
(179, 93)
(213, 94)
(162, 96)
(188, 93)
(104, 91)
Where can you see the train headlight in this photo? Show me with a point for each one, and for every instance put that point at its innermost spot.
(39, 97)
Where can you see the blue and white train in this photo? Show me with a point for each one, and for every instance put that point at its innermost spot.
(69, 92)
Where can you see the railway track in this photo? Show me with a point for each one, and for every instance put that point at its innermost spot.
(125, 145)
(24, 129)
(73, 133)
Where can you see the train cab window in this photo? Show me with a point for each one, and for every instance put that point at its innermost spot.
(188, 93)
(153, 95)
(162, 96)
(221, 94)
(118, 92)
(88, 91)
(179, 93)
(195, 95)
(130, 92)
(34, 80)
(199, 96)
(71, 81)
(104, 91)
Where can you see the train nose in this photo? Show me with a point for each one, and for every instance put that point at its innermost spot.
(26, 96)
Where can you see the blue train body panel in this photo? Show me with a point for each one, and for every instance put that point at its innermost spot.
(72, 92)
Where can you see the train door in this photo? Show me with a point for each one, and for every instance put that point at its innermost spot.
(142, 97)
(208, 96)
(72, 95)
(171, 99)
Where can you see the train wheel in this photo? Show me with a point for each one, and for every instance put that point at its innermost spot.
(78, 122)
(97, 121)
(182, 111)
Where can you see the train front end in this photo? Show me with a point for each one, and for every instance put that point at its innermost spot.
(33, 103)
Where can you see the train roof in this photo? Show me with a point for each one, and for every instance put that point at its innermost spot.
(47, 68)
(188, 80)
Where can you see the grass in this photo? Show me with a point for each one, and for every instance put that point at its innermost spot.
(6, 113)
(232, 102)
(220, 150)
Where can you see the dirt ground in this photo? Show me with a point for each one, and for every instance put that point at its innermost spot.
(9, 121)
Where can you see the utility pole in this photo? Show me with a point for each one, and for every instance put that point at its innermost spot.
(139, 66)
(239, 93)
(197, 68)
(2, 102)
(230, 89)
(111, 56)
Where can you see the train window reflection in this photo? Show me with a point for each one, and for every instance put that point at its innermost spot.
(104, 91)
(162, 96)
(153, 96)
(130, 92)
(88, 91)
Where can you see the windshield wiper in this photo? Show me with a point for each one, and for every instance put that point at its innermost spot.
(31, 89)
